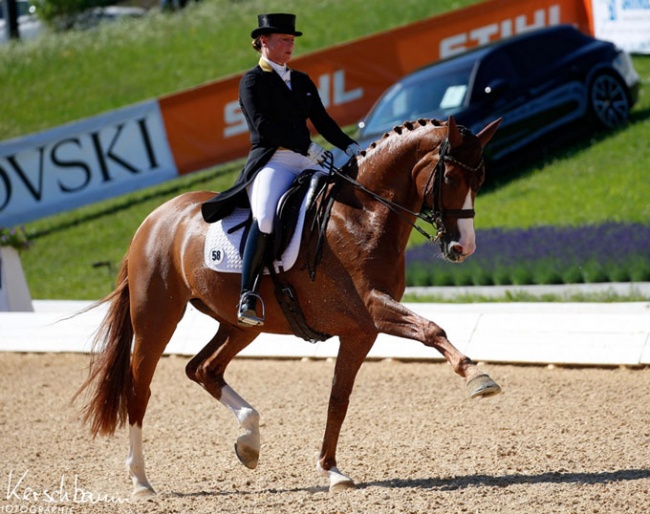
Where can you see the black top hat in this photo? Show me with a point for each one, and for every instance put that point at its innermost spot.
(277, 23)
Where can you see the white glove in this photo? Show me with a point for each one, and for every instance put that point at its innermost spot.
(317, 153)
(353, 150)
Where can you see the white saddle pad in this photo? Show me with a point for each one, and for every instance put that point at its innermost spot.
(221, 252)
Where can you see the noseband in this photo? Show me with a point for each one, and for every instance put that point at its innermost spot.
(434, 214)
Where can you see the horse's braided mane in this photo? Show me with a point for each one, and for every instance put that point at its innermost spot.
(407, 126)
(475, 179)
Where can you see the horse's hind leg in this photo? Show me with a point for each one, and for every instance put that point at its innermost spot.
(154, 325)
(207, 369)
(135, 463)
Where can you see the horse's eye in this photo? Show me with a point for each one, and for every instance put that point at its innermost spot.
(452, 180)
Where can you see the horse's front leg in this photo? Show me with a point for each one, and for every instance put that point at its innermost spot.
(392, 318)
(352, 352)
(208, 367)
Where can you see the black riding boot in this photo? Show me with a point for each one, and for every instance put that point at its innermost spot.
(252, 265)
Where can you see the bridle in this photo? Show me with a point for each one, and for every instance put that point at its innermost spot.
(434, 214)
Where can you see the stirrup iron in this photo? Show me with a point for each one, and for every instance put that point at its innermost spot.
(247, 315)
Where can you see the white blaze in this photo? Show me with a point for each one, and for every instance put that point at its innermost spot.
(466, 229)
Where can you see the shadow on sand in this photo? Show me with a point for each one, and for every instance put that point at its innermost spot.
(551, 477)
(453, 483)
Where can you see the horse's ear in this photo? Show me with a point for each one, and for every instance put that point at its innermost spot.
(488, 132)
(454, 136)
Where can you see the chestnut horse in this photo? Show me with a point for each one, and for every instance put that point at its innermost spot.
(425, 165)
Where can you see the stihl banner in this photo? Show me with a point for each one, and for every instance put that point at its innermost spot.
(141, 145)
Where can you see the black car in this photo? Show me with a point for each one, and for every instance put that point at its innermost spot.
(537, 82)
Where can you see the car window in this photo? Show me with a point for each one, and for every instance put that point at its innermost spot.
(23, 8)
(432, 93)
(496, 66)
(534, 54)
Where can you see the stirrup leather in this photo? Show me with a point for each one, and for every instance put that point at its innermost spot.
(246, 314)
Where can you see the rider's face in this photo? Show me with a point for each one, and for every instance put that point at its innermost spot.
(278, 47)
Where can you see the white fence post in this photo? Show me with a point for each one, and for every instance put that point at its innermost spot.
(14, 293)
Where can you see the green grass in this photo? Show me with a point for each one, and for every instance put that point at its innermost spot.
(70, 76)
(60, 263)
(604, 179)
(525, 296)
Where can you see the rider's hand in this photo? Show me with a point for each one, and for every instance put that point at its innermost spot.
(317, 153)
(353, 150)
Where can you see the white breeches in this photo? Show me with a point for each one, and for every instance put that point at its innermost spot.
(272, 182)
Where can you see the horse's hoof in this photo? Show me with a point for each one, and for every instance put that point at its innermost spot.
(247, 456)
(142, 492)
(482, 386)
(338, 481)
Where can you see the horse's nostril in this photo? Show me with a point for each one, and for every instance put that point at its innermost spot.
(455, 249)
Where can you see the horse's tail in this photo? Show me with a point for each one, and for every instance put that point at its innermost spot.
(110, 372)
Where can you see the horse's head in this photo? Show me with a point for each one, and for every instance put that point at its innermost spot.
(450, 189)
(446, 169)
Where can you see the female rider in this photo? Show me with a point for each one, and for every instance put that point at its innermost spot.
(276, 102)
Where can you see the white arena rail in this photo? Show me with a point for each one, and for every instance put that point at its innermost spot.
(533, 333)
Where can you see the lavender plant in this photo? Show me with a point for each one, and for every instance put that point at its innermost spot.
(610, 252)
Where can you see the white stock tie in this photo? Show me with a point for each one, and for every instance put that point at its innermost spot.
(286, 76)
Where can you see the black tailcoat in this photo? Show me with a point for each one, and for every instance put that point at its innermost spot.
(277, 118)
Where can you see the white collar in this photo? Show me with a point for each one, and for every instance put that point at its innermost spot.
(279, 69)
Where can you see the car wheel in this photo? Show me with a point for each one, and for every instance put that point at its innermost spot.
(608, 101)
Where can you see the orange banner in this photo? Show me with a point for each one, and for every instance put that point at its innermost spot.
(205, 126)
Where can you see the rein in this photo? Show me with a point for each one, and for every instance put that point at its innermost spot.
(434, 215)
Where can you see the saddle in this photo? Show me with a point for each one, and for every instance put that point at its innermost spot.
(306, 188)
(310, 184)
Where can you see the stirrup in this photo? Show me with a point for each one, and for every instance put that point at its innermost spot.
(247, 315)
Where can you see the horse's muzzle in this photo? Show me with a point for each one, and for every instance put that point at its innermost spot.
(453, 251)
